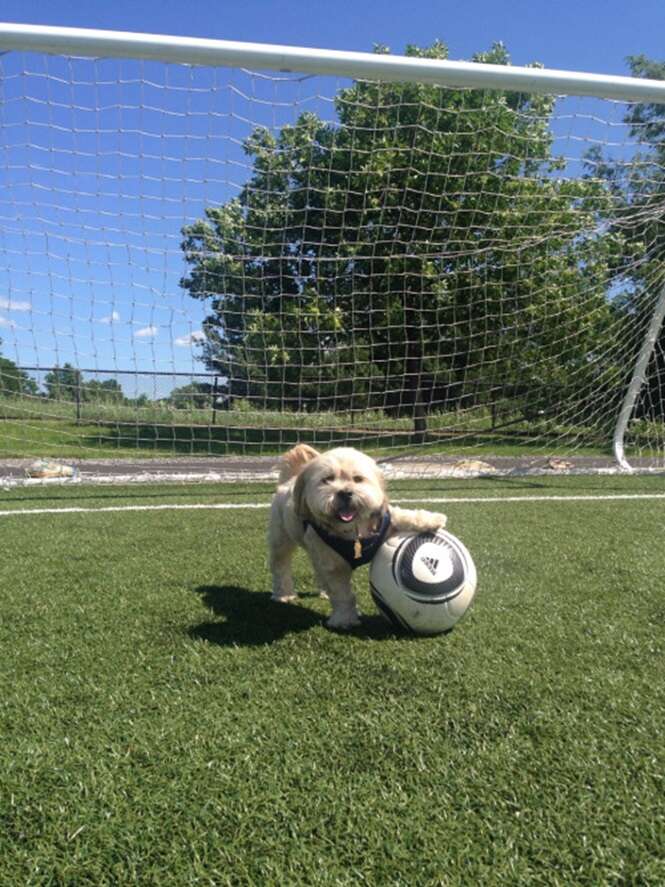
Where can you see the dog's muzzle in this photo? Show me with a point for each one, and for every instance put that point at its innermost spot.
(345, 509)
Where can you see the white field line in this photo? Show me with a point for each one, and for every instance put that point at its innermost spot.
(227, 506)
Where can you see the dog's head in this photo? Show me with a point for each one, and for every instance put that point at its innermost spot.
(342, 490)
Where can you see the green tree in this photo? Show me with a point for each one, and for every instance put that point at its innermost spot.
(63, 383)
(418, 253)
(141, 401)
(15, 381)
(193, 396)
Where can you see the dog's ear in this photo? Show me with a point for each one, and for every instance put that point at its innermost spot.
(381, 483)
(294, 461)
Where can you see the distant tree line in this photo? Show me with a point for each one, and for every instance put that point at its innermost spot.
(66, 383)
(14, 381)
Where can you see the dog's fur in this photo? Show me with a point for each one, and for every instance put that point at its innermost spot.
(319, 488)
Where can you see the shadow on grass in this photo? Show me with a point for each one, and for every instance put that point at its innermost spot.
(249, 618)
(110, 438)
(252, 619)
(228, 440)
(238, 439)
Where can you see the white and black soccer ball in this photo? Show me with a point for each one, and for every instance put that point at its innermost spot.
(423, 582)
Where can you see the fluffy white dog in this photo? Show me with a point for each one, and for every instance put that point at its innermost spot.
(335, 505)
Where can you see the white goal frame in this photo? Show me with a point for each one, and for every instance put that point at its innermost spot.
(91, 43)
(288, 59)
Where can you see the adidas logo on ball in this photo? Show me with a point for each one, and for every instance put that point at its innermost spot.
(432, 564)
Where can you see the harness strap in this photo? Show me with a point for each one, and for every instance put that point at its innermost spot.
(348, 548)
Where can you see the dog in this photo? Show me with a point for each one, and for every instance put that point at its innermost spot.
(335, 506)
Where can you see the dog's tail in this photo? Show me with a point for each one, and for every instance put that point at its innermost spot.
(293, 462)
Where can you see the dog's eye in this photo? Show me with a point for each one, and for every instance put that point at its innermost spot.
(358, 479)
(329, 479)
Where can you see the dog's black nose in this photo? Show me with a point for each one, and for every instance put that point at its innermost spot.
(345, 495)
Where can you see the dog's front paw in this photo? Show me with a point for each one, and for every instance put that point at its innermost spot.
(344, 621)
(418, 521)
(428, 521)
(283, 597)
(435, 520)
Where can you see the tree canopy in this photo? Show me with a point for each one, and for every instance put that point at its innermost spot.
(67, 383)
(15, 381)
(194, 395)
(419, 252)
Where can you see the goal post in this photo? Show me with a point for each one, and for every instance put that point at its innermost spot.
(220, 248)
(296, 59)
(637, 381)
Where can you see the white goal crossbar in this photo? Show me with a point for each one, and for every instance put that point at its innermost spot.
(264, 56)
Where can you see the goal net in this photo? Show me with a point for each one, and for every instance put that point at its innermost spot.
(202, 260)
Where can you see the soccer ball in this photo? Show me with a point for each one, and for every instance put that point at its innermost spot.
(423, 582)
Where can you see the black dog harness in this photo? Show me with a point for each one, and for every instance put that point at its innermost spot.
(356, 552)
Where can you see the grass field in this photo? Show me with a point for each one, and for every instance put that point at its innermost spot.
(164, 723)
(40, 427)
(67, 440)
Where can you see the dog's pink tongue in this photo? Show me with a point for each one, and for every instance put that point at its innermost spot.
(347, 516)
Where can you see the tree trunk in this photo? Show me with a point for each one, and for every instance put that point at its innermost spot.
(414, 364)
(419, 416)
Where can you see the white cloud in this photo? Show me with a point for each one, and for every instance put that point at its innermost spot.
(193, 338)
(113, 317)
(148, 332)
(8, 324)
(11, 305)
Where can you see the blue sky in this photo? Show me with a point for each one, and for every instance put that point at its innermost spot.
(110, 297)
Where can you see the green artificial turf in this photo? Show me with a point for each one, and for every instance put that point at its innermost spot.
(163, 722)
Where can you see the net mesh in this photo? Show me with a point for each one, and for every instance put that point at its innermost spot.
(205, 261)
